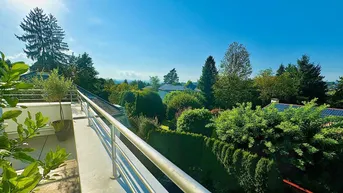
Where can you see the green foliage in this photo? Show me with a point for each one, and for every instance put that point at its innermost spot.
(127, 97)
(196, 121)
(143, 126)
(171, 77)
(312, 84)
(15, 148)
(236, 61)
(230, 90)
(281, 70)
(149, 103)
(302, 143)
(336, 99)
(189, 84)
(283, 86)
(53, 160)
(116, 91)
(138, 83)
(55, 88)
(44, 40)
(155, 83)
(216, 164)
(81, 70)
(207, 80)
(177, 101)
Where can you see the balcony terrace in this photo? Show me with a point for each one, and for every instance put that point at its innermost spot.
(100, 159)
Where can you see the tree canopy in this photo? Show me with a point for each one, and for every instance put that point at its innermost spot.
(44, 40)
(236, 61)
(312, 84)
(171, 77)
(155, 82)
(207, 80)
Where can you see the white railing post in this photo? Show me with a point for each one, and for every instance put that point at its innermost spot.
(88, 114)
(115, 174)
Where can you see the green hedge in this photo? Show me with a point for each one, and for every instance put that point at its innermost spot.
(147, 103)
(181, 101)
(216, 164)
(196, 121)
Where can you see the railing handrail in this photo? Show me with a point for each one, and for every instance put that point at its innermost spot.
(99, 98)
(174, 173)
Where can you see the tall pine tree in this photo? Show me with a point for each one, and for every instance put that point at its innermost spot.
(44, 40)
(207, 80)
(311, 82)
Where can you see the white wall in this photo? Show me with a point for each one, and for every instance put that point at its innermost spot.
(51, 110)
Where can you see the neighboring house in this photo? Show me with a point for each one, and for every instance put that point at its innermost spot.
(325, 112)
(31, 75)
(166, 88)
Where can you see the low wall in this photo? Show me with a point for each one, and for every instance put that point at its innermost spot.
(51, 110)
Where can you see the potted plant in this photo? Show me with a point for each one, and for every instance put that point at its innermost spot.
(55, 88)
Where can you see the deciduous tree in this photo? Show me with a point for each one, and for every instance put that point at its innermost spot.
(236, 61)
(155, 82)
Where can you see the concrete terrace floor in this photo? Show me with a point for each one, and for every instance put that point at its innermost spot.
(95, 166)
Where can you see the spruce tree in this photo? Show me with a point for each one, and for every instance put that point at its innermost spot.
(44, 40)
(311, 82)
(281, 70)
(207, 80)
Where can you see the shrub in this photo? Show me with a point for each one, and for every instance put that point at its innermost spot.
(216, 164)
(181, 101)
(143, 125)
(196, 121)
(304, 145)
(201, 98)
(127, 97)
(149, 103)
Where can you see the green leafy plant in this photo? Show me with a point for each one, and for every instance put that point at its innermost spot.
(56, 87)
(196, 121)
(17, 148)
(304, 145)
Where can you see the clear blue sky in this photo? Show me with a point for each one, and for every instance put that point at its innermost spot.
(135, 39)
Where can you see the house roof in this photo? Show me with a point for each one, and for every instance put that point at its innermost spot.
(170, 87)
(325, 112)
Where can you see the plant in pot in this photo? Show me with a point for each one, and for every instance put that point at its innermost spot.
(55, 88)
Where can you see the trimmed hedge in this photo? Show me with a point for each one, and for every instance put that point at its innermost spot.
(181, 101)
(216, 164)
(149, 103)
(146, 102)
(196, 121)
(127, 97)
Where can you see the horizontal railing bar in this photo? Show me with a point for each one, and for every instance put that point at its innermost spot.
(179, 177)
(96, 122)
(148, 186)
(121, 171)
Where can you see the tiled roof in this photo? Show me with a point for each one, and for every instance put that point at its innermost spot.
(170, 87)
(325, 112)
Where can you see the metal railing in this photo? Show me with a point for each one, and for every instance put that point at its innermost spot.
(175, 174)
(37, 95)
